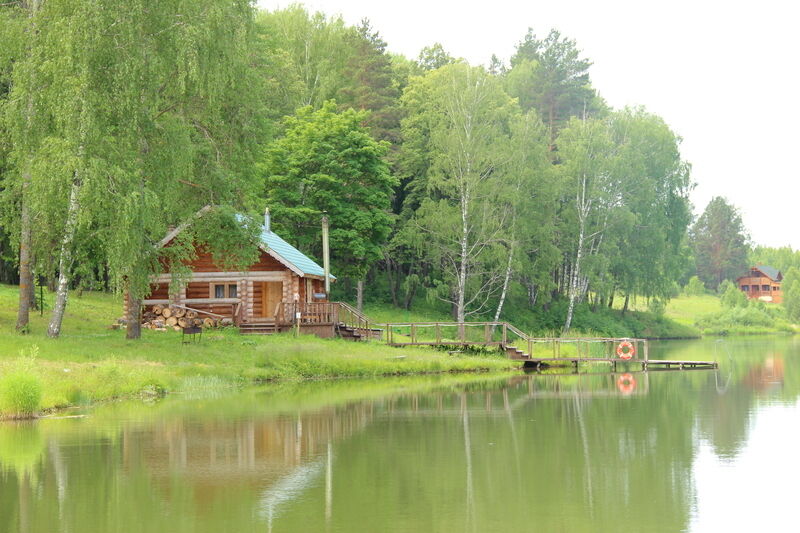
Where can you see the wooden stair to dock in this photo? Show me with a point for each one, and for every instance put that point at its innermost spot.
(516, 354)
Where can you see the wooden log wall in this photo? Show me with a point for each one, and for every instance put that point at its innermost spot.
(248, 290)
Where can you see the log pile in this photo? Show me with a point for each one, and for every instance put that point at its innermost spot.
(163, 318)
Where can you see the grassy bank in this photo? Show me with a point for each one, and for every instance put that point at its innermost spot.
(707, 314)
(91, 362)
(586, 322)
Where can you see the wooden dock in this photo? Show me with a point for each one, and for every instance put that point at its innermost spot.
(534, 352)
(650, 364)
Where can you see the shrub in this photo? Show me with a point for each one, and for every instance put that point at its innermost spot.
(750, 319)
(731, 296)
(695, 287)
(657, 306)
(20, 394)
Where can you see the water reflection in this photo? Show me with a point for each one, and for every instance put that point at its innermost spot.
(584, 452)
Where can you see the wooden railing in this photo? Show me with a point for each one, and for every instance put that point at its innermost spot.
(350, 317)
(505, 335)
(335, 313)
(446, 333)
(307, 313)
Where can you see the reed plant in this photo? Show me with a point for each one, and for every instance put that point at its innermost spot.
(20, 394)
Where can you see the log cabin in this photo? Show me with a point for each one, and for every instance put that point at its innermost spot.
(762, 283)
(283, 289)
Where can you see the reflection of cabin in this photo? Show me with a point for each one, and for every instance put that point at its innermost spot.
(265, 297)
(762, 283)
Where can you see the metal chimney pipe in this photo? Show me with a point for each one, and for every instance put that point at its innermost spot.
(266, 220)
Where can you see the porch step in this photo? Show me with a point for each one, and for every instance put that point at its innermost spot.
(348, 333)
(257, 328)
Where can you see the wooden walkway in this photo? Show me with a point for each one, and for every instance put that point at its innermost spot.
(651, 364)
(534, 352)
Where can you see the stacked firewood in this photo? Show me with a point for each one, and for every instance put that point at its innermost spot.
(162, 318)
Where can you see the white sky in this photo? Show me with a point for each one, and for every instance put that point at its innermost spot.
(723, 74)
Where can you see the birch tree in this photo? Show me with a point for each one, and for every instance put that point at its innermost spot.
(467, 119)
(649, 253)
(19, 34)
(527, 194)
(144, 117)
(593, 191)
(313, 49)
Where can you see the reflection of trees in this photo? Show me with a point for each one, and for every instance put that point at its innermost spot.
(587, 458)
(21, 450)
(750, 369)
(561, 452)
(215, 471)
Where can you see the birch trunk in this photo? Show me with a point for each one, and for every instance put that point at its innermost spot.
(462, 269)
(506, 281)
(575, 274)
(65, 262)
(573, 287)
(360, 295)
(25, 274)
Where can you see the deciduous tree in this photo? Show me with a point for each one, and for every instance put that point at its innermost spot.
(328, 163)
(720, 243)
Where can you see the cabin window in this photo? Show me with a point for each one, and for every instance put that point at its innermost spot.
(775, 289)
(225, 290)
(745, 288)
(765, 288)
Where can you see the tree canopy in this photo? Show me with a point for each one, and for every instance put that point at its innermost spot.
(489, 190)
(720, 243)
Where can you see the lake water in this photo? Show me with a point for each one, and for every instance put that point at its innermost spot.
(699, 451)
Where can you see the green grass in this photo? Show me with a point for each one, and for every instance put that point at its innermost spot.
(20, 394)
(688, 309)
(706, 313)
(92, 362)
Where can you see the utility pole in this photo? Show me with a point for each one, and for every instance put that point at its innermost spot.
(326, 259)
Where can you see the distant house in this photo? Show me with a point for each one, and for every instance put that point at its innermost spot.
(763, 283)
(267, 293)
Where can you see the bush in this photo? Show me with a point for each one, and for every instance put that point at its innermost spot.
(750, 319)
(731, 295)
(695, 287)
(20, 394)
(657, 306)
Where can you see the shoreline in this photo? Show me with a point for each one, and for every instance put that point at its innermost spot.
(153, 367)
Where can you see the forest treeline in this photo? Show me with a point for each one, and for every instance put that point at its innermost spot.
(481, 187)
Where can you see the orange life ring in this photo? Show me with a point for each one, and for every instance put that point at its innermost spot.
(626, 383)
(626, 350)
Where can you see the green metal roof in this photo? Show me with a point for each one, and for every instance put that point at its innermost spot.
(772, 273)
(292, 255)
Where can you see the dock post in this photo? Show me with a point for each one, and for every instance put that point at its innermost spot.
(646, 350)
(438, 333)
